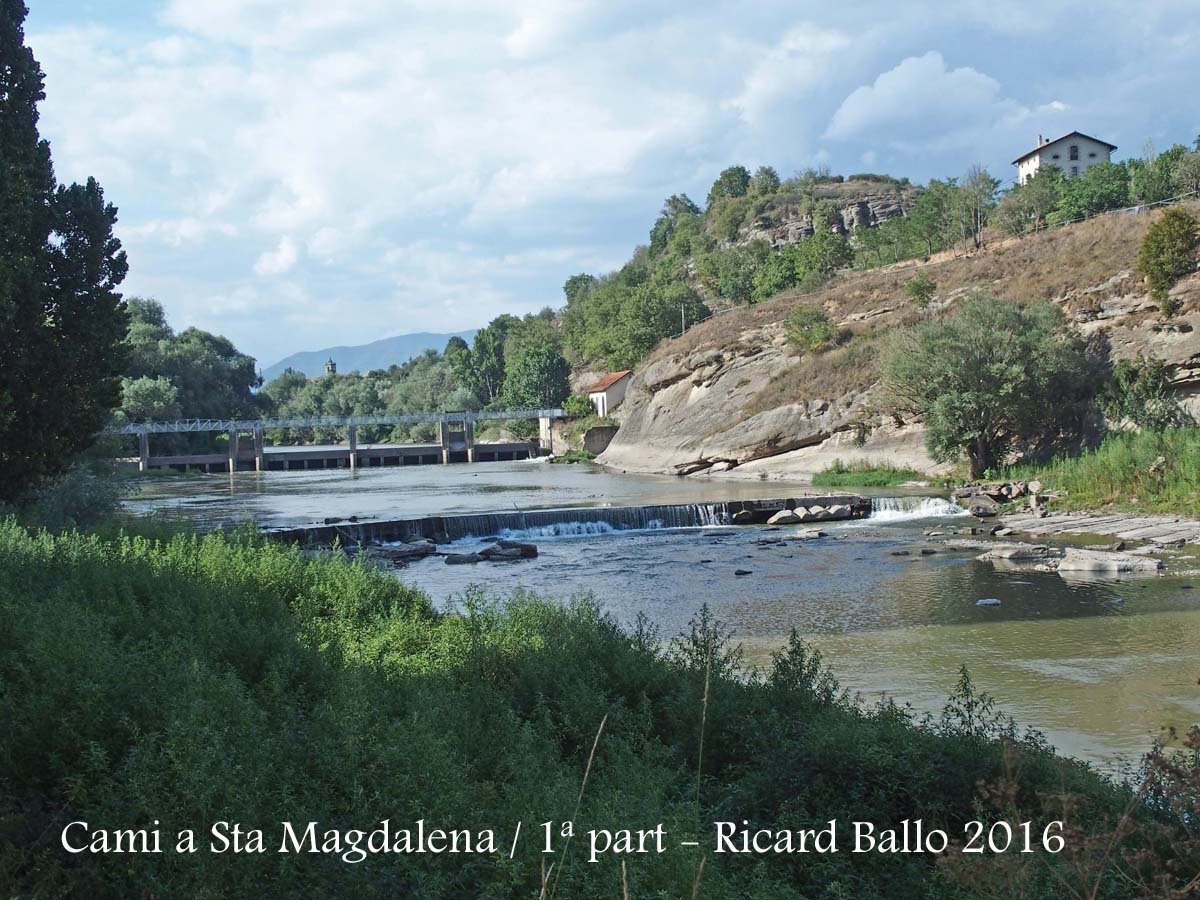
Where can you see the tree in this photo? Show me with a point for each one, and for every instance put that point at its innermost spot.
(675, 208)
(1027, 206)
(932, 216)
(487, 357)
(974, 201)
(539, 377)
(458, 357)
(1102, 187)
(764, 182)
(149, 399)
(991, 379)
(1151, 178)
(1186, 173)
(732, 182)
(1168, 253)
(736, 270)
(63, 322)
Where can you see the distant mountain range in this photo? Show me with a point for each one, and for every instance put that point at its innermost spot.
(365, 357)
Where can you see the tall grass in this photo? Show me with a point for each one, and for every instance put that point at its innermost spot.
(192, 680)
(860, 473)
(1125, 472)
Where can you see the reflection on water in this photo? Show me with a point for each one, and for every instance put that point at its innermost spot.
(300, 498)
(1099, 666)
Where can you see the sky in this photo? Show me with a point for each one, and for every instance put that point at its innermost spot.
(300, 174)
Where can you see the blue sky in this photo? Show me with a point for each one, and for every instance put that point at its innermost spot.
(306, 173)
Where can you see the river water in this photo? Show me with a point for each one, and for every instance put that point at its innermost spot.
(1099, 666)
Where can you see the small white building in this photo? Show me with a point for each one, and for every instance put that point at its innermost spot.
(609, 391)
(1074, 153)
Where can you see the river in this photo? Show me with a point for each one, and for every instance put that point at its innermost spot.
(1099, 666)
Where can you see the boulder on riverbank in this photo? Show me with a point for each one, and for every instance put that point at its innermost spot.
(1078, 559)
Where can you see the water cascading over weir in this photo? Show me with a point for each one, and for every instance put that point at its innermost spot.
(582, 520)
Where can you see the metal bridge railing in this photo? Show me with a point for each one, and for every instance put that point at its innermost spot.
(184, 426)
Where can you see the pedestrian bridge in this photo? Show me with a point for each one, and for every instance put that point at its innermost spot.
(456, 443)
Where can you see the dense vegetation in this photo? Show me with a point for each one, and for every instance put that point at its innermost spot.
(191, 680)
(981, 378)
(60, 314)
(1138, 471)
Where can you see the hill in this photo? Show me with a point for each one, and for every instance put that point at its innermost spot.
(733, 390)
(379, 354)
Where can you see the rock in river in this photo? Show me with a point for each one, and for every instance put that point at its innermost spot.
(784, 517)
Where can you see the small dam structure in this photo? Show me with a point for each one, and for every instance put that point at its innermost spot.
(456, 442)
(582, 520)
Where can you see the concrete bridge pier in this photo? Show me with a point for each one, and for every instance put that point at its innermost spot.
(469, 437)
(353, 429)
(233, 450)
(259, 452)
(143, 451)
(444, 439)
(546, 433)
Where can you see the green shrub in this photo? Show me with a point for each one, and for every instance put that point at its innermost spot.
(921, 288)
(809, 328)
(1139, 392)
(578, 406)
(1168, 253)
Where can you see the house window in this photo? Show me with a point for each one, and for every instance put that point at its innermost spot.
(1054, 156)
(1074, 151)
(1074, 171)
(1091, 156)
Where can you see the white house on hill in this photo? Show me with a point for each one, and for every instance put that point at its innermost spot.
(1074, 153)
(609, 391)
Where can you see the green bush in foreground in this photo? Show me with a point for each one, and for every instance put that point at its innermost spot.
(193, 680)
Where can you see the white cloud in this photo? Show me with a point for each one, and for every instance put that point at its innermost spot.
(785, 72)
(279, 260)
(921, 94)
(434, 163)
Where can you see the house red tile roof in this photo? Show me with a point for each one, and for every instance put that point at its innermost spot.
(608, 381)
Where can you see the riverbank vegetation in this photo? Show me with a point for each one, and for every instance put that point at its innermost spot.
(864, 474)
(1135, 471)
(192, 679)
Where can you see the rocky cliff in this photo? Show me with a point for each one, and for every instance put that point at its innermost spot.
(732, 399)
(853, 204)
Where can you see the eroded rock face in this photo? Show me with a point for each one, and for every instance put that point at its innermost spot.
(789, 224)
(694, 406)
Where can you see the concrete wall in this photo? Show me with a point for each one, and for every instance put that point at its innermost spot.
(597, 438)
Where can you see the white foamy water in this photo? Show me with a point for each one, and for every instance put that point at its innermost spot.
(899, 509)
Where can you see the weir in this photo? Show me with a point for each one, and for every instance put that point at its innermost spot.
(550, 522)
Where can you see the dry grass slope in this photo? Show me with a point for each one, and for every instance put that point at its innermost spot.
(1068, 265)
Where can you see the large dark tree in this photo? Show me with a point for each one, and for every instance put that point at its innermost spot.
(61, 320)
